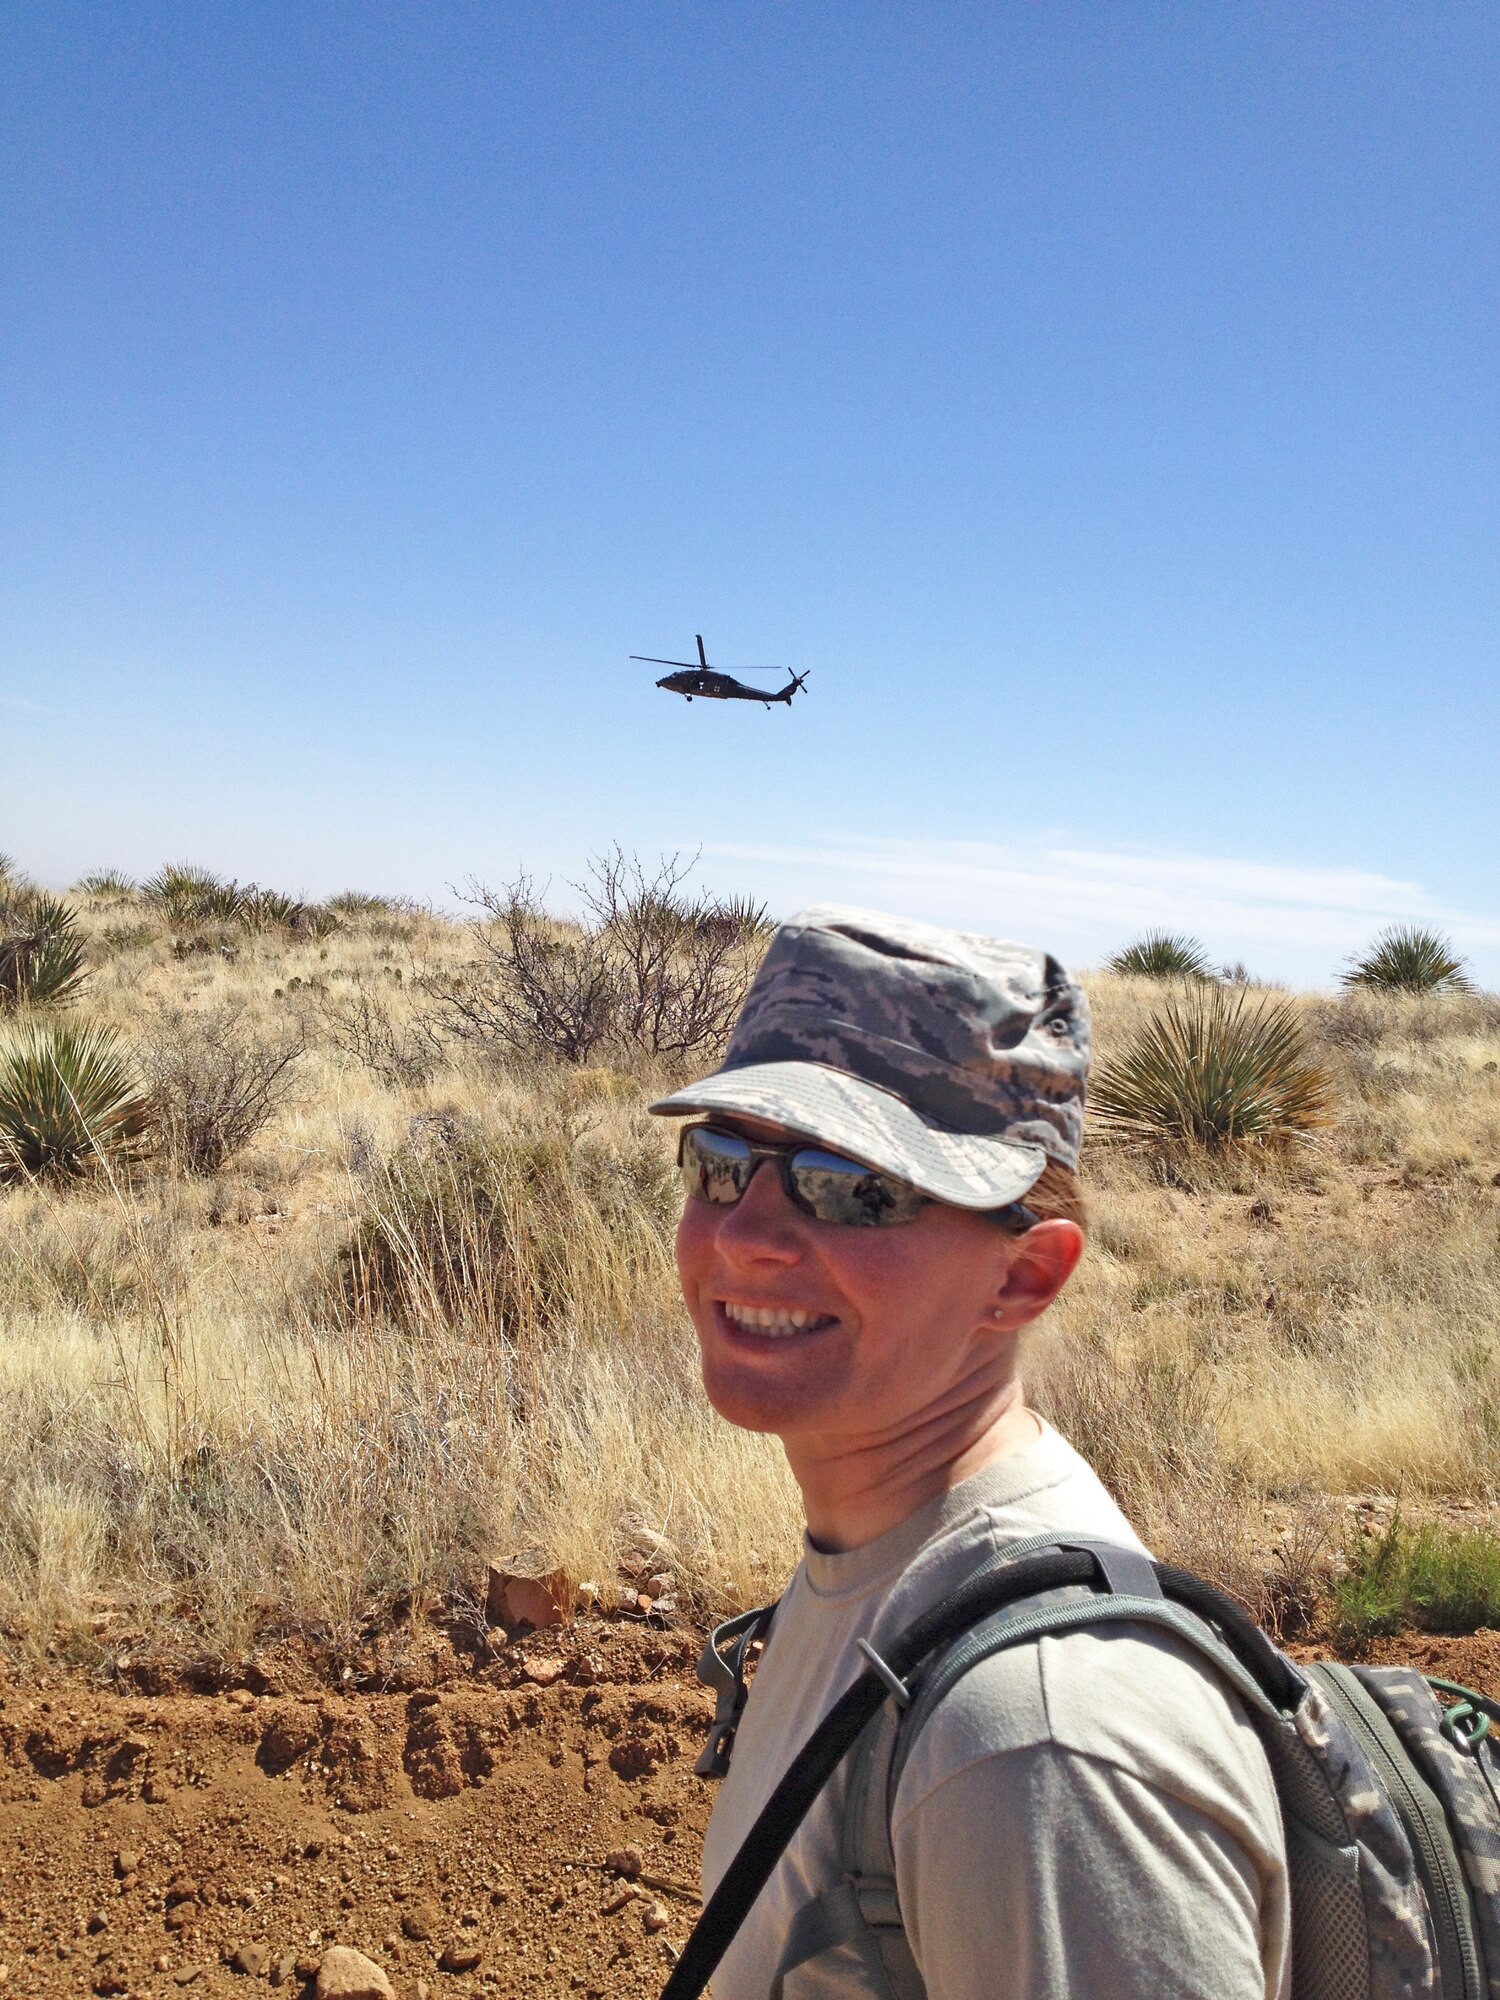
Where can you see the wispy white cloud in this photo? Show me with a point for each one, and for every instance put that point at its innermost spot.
(26, 705)
(1288, 922)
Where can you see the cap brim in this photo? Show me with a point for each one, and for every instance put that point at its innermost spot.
(871, 1125)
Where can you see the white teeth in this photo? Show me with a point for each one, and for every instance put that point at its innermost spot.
(773, 1320)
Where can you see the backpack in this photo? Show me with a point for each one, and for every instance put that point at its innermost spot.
(1388, 1781)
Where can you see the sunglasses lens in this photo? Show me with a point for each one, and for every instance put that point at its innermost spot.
(715, 1166)
(840, 1190)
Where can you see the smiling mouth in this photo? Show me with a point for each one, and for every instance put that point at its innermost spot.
(774, 1322)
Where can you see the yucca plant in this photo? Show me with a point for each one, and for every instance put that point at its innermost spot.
(41, 952)
(105, 885)
(69, 1100)
(189, 895)
(1162, 955)
(1408, 959)
(358, 903)
(1214, 1069)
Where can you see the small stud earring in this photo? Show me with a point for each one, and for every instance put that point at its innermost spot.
(997, 1314)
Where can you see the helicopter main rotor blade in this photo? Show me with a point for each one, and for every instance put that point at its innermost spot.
(651, 661)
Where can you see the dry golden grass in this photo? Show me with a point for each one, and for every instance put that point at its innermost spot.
(414, 1327)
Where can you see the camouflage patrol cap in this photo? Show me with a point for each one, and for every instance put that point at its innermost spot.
(954, 1062)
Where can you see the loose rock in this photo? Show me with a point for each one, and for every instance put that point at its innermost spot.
(461, 1956)
(346, 1974)
(627, 1861)
(544, 1672)
(421, 1920)
(656, 1916)
(252, 1960)
(284, 1971)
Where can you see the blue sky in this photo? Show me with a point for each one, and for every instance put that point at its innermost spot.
(1099, 399)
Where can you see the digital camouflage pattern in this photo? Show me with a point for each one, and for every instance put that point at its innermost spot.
(1467, 1782)
(1401, 1952)
(952, 1061)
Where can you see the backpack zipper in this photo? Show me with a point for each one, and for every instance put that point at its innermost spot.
(1426, 1827)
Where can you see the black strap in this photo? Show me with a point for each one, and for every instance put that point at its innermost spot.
(821, 1754)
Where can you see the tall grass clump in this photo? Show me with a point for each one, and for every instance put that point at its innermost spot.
(1442, 1579)
(1162, 955)
(69, 1100)
(1408, 959)
(1214, 1069)
(41, 952)
(511, 1231)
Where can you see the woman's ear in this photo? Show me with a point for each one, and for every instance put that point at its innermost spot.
(1043, 1261)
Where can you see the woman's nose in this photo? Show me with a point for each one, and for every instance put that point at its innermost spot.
(763, 1223)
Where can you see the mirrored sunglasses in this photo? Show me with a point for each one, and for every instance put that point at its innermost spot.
(718, 1167)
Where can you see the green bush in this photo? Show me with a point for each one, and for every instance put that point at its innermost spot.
(1214, 1069)
(1162, 955)
(69, 1100)
(1408, 959)
(41, 952)
(1442, 1579)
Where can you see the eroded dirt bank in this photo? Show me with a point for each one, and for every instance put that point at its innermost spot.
(459, 1833)
(146, 1843)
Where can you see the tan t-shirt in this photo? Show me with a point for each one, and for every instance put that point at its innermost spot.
(1084, 1818)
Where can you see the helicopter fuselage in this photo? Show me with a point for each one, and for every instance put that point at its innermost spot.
(714, 686)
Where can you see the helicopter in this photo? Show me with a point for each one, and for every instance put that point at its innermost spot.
(716, 686)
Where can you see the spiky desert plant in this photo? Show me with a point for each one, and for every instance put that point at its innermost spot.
(105, 885)
(1214, 1069)
(358, 903)
(190, 895)
(1408, 959)
(41, 952)
(1162, 955)
(69, 1100)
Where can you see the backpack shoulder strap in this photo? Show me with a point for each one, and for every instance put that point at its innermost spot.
(721, 1666)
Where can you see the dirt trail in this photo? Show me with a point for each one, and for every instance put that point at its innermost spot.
(203, 1844)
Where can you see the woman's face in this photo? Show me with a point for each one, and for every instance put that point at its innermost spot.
(815, 1327)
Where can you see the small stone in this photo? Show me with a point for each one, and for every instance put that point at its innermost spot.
(656, 1586)
(346, 1974)
(621, 1901)
(308, 1968)
(588, 1595)
(155, 1793)
(656, 1916)
(544, 1672)
(626, 1861)
(162, 1962)
(421, 1920)
(97, 1922)
(241, 1697)
(538, 1601)
(180, 1916)
(665, 1607)
(186, 1974)
(284, 1971)
(111, 1979)
(461, 1956)
(252, 1960)
(127, 1861)
(182, 1889)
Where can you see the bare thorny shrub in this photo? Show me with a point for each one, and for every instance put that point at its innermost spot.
(648, 970)
(362, 1028)
(215, 1082)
